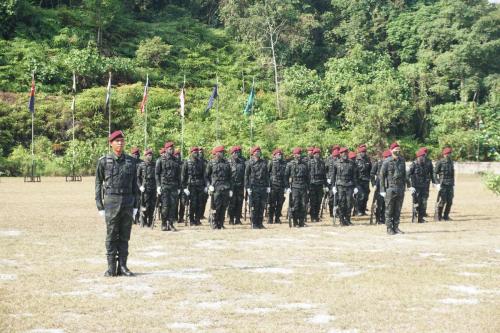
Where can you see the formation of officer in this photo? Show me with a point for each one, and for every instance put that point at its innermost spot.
(257, 186)
(238, 163)
(297, 185)
(276, 168)
(147, 186)
(219, 183)
(193, 184)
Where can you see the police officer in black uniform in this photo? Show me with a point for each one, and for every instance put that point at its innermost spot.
(193, 184)
(257, 186)
(297, 183)
(147, 186)
(116, 179)
(445, 177)
(276, 170)
(318, 184)
(237, 163)
(364, 168)
(219, 184)
(344, 184)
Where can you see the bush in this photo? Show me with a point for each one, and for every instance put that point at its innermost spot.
(492, 182)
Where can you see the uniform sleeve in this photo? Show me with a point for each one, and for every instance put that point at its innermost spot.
(373, 174)
(139, 175)
(158, 172)
(270, 170)
(431, 171)
(383, 176)
(356, 175)
(287, 176)
(208, 174)
(410, 176)
(334, 174)
(324, 175)
(135, 189)
(437, 170)
(99, 180)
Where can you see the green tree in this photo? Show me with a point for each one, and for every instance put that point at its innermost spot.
(152, 52)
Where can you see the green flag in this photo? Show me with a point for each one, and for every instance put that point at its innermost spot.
(248, 107)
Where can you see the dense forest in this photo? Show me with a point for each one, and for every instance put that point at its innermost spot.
(325, 72)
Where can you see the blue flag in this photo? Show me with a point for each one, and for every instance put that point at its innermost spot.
(31, 104)
(212, 98)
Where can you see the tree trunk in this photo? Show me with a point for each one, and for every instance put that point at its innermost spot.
(275, 66)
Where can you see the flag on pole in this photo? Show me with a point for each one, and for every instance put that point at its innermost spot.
(73, 88)
(108, 94)
(31, 104)
(212, 99)
(182, 101)
(248, 108)
(145, 95)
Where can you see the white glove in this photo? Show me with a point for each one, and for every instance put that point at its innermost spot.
(325, 189)
(334, 190)
(375, 187)
(356, 190)
(438, 187)
(382, 194)
(288, 190)
(158, 190)
(249, 191)
(186, 192)
(134, 212)
(211, 189)
(268, 190)
(412, 190)
(230, 193)
(179, 191)
(142, 189)
(205, 189)
(329, 181)
(101, 213)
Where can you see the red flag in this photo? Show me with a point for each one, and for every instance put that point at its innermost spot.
(145, 95)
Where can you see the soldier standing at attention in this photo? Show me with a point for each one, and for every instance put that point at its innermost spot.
(364, 168)
(218, 182)
(419, 178)
(168, 181)
(204, 196)
(147, 186)
(257, 186)
(329, 167)
(429, 168)
(116, 178)
(237, 163)
(318, 183)
(392, 188)
(193, 183)
(296, 183)
(277, 179)
(344, 184)
(445, 176)
(375, 179)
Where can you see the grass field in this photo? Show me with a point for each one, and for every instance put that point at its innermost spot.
(438, 277)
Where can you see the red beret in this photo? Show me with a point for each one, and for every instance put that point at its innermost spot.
(425, 150)
(177, 152)
(362, 149)
(336, 147)
(235, 149)
(316, 151)
(394, 145)
(194, 149)
(277, 151)
(343, 150)
(162, 151)
(254, 149)
(297, 150)
(352, 154)
(168, 144)
(148, 151)
(115, 135)
(447, 150)
(335, 153)
(218, 149)
(135, 151)
(310, 149)
(362, 146)
(387, 153)
(420, 152)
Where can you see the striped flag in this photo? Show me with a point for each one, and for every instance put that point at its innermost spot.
(212, 99)
(145, 95)
(182, 99)
(31, 104)
(108, 94)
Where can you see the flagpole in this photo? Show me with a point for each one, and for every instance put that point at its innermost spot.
(217, 109)
(146, 115)
(73, 125)
(109, 111)
(251, 116)
(33, 134)
(182, 116)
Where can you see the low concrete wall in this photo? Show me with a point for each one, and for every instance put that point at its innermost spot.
(476, 167)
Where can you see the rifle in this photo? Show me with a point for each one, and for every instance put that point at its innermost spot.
(211, 216)
(246, 203)
(414, 207)
(142, 214)
(157, 211)
(334, 209)
(373, 208)
(289, 211)
(323, 204)
(187, 203)
(307, 204)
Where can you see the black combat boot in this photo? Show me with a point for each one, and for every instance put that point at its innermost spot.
(446, 215)
(231, 220)
(123, 270)
(390, 231)
(111, 266)
(397, 230)
(440, 213)
(270, 220)
(164, 226)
